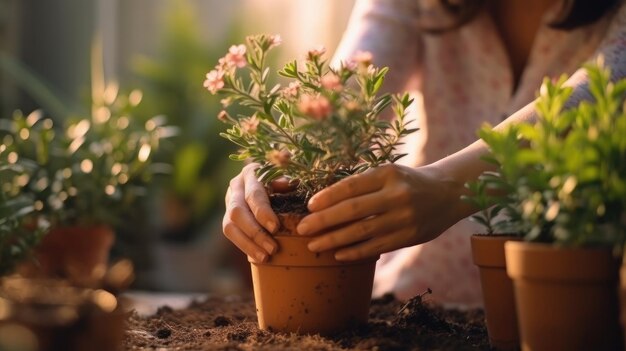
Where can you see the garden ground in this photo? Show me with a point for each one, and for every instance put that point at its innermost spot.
(230, 323)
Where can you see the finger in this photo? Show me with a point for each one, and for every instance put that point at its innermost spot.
(244, 243)
(374, 247)
(356, 232)
(352, 186)
(258, 201)
(344, 212)
(239, 215)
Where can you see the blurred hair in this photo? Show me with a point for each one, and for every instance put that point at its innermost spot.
(573, 13)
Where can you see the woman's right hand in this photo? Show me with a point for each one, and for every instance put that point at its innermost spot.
(249, 219)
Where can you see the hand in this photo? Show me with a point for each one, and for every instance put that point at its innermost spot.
(381, 210)
(249, 218)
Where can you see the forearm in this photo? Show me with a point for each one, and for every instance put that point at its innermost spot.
(467, 165)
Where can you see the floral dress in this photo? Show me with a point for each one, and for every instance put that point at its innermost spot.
(461, 79)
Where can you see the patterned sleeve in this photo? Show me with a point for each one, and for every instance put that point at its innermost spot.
(387, 29)
(612, 51)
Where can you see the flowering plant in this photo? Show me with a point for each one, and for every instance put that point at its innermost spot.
(322, 127)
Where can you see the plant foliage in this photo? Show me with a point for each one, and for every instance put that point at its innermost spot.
(17, 238)
(565, 175)
(88, 170)
(322, 127)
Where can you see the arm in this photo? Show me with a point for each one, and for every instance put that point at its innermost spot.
(388, 30)
(393, 206)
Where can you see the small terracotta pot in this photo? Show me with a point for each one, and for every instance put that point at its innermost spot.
(49, 315)
(499, 301)
(80, 254)
(304, 292)
(566, 298)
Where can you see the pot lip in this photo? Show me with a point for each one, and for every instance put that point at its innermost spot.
(501, 236)
(293, 252)
(555, 263)
(488, 249)
(296, 266)
(537, 246)
(495, 237)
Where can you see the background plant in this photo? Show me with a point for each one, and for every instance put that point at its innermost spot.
(88, 170)
(567, 172)
(18, 234)
(493, 195)
(169, 83)
(322, 127)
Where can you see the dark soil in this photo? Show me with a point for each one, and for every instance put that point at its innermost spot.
(288, 203)
(230, 324)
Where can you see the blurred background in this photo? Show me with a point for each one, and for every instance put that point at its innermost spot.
(49, 50)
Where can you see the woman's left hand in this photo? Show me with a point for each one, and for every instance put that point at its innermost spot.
(381, 210)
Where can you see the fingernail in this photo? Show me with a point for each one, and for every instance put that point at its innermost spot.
(260, 257)
(341, 256)
(312, 203)
(269, 247)
(303, 229)
(313, 246)
(271, 226)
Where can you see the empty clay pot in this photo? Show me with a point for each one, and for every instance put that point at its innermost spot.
(50, 315)
(78, 253)
(566, 298)
(499, 301)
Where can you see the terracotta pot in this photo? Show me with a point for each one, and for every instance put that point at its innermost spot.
(49, 314)
(80, 254)
(565, 297)
(304, 292)
(499, 301)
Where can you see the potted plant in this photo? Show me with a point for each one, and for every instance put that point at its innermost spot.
(16, 242)
(81, 175)
(492, 194)
(322, 127)
(49, 314)
(569, 184)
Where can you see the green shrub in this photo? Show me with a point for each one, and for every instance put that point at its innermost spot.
(566, 173)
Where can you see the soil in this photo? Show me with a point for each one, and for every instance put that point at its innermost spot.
(230, 324)
(288, 203)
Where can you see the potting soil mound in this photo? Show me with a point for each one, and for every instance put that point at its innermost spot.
(230, 324)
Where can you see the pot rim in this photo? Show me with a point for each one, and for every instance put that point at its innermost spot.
(293, 252)
(542, 261)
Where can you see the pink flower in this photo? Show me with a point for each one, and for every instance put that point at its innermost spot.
(292, 89)
(225, 102)
(236, 56)
(314, 54)
(332, 81)
(363, 57)
(214, 81)
(249, 125)
(222, 64)
(222, 116)
(279, 158)
(275, 40)
(350, 65)
(316, 107)
(352, 105)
